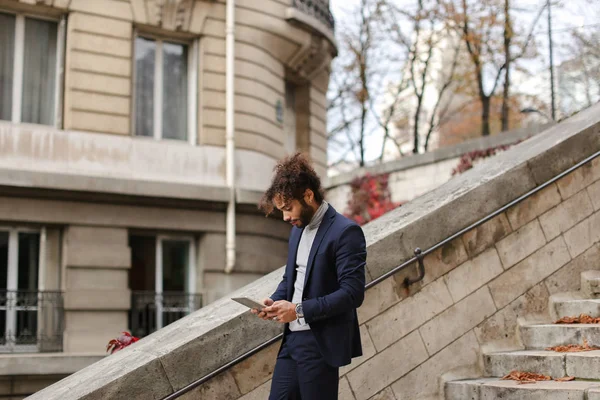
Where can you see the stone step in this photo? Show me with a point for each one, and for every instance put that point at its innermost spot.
(574, 308)
(590, 284)
(537, 361)
(550, 335)
(489, 389)
(582, 365)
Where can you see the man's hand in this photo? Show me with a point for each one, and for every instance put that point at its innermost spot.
(263, 314)
(281, 311)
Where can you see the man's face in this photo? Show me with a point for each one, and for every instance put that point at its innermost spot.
(296, 212)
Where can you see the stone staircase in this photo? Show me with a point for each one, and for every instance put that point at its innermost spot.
(584, 366)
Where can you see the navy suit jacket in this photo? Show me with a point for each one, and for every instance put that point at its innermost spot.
(334, 286)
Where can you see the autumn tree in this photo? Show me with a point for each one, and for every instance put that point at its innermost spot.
(358, 82)
(425, 39)
(493, 45)
(580, 86)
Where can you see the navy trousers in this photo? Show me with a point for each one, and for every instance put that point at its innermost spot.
(301, 372)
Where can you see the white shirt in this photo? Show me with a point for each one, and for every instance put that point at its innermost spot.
(306, 242)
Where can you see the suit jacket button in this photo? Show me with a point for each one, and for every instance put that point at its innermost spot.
(304, 299)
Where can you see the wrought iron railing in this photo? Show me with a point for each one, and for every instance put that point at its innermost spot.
(31, 321)
(318, 9)
(418, 258)
(151, 311)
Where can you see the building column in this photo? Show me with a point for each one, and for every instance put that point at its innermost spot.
(96, 267)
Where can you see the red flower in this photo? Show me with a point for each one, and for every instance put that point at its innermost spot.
(122, 341)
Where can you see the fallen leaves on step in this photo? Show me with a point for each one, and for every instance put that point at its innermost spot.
(565, 379)
(531, 377)
(526, 377)
(574, 348)
(582, 319)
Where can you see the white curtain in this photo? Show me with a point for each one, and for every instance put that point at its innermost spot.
(175, 92)
(145, 53)
(39, 72)
(7, 51)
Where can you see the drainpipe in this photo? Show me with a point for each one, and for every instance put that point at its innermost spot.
(230, 131)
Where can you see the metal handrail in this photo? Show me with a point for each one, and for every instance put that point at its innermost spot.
(419, 256)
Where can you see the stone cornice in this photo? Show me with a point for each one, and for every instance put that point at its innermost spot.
(170, 14)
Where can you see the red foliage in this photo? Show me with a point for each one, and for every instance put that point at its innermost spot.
(370, 198)
(122, 341)
(467, 159)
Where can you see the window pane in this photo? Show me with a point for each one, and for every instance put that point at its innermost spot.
(3, 260)
(3, 319)
(29, 255)
(7, 51)
(145, 52)
(3, 284)
(175, 261)
(175, 91)
(289, 118)
(39, 72)
(143, 263)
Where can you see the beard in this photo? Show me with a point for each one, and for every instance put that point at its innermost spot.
(306, 214)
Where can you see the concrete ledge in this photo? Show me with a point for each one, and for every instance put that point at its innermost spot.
(122, 186)
(199, 343)
(442, 154)
(42, 157)
(46, 363)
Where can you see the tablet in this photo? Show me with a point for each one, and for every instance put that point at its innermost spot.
(249, 303)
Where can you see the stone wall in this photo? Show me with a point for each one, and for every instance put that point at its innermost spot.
(97, 297)
(476, 289)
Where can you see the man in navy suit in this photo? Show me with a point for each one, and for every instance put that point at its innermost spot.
(322, 286)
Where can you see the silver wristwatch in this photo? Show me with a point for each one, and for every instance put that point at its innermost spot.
(299, 311)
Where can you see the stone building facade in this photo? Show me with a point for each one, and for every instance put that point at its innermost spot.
(113, 163)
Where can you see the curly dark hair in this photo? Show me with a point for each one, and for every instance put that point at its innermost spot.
(293, 175)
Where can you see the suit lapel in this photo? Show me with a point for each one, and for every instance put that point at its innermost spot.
(291, 265)
(321, 232)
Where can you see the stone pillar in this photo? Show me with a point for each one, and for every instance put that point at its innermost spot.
(96, 266)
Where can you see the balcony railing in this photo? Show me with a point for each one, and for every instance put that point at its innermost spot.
(151, 311)
(318, 9)
(31, 321)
